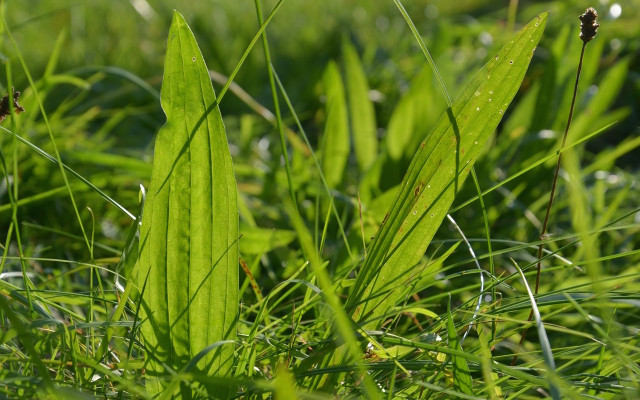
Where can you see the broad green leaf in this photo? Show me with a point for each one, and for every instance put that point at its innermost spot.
(335, 148)
(461, 375)
(436, 173)
(188, 244)
(361, 112)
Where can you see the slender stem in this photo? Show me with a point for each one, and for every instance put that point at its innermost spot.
(276, 104)
(545, 224)
(432, 64)
(555, 175)
(511, 15)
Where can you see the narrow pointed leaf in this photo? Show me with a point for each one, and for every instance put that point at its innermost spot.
(335, 149)
(401, 126)
(436, 174)
(361, 112)
(188, 244)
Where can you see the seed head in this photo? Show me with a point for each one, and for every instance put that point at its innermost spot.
(5, 109)
(588, 25)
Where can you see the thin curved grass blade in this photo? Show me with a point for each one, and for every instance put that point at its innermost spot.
(542, 335)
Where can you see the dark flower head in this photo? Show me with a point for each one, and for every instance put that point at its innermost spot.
(588, 25)
(5, 108)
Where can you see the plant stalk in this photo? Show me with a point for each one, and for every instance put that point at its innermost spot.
(588, 30)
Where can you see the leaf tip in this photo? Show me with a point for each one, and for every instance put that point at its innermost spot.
(177, 17)
(543, 16)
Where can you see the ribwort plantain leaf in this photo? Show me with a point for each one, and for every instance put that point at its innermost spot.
(437, 171)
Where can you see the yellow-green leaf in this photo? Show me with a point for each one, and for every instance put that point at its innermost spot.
(362, 115)
(335, 148)
(189, 233)
(437, 171)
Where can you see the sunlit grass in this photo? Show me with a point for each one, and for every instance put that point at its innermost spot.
(76, 328)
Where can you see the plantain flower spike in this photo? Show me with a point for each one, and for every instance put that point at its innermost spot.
(588, 25)
(5, 109)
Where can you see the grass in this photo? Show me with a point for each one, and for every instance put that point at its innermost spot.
(329, 304)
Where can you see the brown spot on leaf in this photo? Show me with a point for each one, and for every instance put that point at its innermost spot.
(385, 218)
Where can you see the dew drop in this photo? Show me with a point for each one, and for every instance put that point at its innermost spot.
(511, 62)
(497, 58)
(536, 24)
(431, 215)
(489, 100)
(500, 111)
(477, 108)
(490, 91)
(415, 212)
(428, 186)
(477, 93)
(476, 142)
(193, 59)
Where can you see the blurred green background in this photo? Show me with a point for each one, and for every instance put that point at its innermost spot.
(91, 61)
(97, 66)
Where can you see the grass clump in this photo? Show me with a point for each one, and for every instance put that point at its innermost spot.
(288, 240)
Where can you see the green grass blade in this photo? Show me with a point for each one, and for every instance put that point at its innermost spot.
(424, 49)
(315, 160)
(361, 112)
(436, 173)
(461, 375)
(49, 129)
(188, 245)
(335, 149)
(533, 165)
(492, 388)
(276, 103)
(68, 169)
(542, 335)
